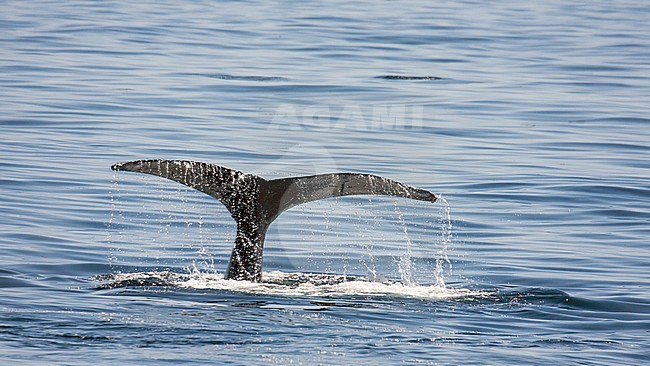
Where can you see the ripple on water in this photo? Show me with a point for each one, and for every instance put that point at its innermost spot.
(407, 77)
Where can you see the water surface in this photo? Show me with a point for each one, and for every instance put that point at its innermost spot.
(531, 120)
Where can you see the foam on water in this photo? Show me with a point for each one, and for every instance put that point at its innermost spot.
(277, 283)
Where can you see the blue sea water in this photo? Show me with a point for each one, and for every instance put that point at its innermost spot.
(531, 120)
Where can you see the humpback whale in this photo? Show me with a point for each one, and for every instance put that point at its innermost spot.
(255, 202)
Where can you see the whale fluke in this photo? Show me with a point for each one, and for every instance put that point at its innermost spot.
(255, 202)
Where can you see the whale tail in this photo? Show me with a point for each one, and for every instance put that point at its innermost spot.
(255, 202)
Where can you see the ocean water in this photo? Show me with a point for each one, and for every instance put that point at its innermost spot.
(530, 120)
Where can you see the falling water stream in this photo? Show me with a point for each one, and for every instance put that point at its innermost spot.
(202, 273)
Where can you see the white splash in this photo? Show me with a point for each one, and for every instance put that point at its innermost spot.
(278, 283)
